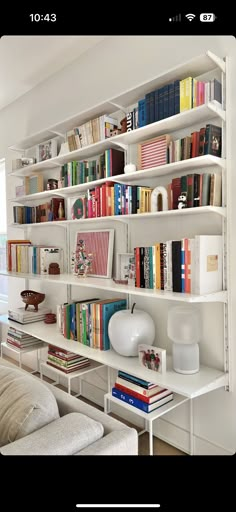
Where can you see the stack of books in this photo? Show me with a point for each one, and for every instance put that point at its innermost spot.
(65, 361)
(140, 393)
(27, 317)
(21, 340)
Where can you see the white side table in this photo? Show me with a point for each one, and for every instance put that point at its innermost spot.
(69, 376)
(148, 417)
(21, 351)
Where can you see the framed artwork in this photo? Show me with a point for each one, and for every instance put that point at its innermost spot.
(76, 207)
(123, 262)
(99, 243)
(46, 150)
(152, 358)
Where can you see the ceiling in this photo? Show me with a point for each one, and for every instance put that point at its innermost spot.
(25, 61)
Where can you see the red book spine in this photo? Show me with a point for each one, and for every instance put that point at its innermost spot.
(103, 202)
(137, 264)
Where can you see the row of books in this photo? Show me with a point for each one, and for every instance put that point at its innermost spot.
(33, 259)
(205, 142)
(86, 321)
(90, 132)
(173, 98)
(139, 393)
(163, 149)
(21, 340)
(110, 163)
(195, 190)
(65, 360)
(191, 265)
(53, 210)
(119, 199)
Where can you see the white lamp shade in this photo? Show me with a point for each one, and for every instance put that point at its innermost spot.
(127, 330)
(183, 325)
(185, 358)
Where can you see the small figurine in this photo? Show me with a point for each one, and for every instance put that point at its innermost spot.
(81, 261)
(182, 201)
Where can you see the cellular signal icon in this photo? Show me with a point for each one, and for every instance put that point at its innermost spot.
(190, 17)
(176, 18)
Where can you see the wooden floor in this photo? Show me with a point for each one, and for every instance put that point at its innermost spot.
(159, 447)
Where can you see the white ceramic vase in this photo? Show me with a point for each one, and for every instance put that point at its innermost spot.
(129, 328)
(128, 168)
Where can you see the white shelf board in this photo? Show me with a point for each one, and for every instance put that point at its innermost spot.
(194, 67)
(190, 386)
(183, 166)
(203, 113)
(23, 350)
(177, 400)
(76, 373)
(110, 285)
(218, 210)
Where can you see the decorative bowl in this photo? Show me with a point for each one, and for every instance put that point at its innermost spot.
(31, 298)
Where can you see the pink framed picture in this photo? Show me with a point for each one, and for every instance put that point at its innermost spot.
(99, 244)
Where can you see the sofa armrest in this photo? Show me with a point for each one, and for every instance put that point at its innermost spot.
(64, 436)
(68, 403)
(118, 442)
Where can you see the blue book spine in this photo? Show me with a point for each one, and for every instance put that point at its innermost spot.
(116, 193)
(171, 93)
(152, 107)
(34, 260)
(107, 311)
(72, 322)
(135, 380)
(161, 103)
(131, 400)
(177, 96)
(166, 101)
(147, 108)
(156, 104)
(141, 113)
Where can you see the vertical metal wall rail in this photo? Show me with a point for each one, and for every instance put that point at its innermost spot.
(225, 222)
(68, 257)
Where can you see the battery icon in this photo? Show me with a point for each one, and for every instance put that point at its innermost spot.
(207, 16)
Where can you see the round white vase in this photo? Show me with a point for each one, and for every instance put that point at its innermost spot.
(127, 330)
(128, 168)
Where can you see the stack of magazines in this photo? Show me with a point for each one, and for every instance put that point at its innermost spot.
(26, 317)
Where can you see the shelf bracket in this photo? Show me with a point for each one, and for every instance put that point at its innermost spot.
(58, 133)
(119, 107)
(219, 62)
(121, 145)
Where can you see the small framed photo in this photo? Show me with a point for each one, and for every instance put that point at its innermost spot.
(152, 358)
(99, 243)
(123, 264)
(46, 150)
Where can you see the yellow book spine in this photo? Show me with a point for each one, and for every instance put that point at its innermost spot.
(182, 95)
(158, 266)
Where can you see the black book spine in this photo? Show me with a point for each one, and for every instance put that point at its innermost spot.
(142, 280)
(176, 265)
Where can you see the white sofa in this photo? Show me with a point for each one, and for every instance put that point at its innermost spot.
(37, 418)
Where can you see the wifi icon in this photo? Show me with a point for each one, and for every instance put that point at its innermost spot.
(190, 17)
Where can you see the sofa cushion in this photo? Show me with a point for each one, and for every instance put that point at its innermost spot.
(65, 436)
(26, 405)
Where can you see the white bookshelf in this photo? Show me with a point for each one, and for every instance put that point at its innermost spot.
(182, 167)
(202, 382)
(217, 210)
(184, 386)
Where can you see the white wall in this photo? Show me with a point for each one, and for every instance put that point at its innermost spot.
(107, 70)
